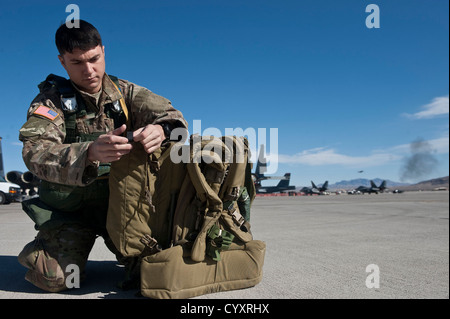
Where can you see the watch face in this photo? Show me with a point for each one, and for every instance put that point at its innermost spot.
(166, 129)
(130, 136)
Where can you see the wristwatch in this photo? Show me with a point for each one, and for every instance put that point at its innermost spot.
(167, 130)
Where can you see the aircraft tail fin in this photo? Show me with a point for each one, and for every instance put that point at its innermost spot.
(372, 184)
(313, 185)
(261, 166)
(383, 185)
(324, 186)
(285, 181)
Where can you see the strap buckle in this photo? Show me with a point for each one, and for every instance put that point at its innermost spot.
(235, 215)
(237, 218)
(151, 245)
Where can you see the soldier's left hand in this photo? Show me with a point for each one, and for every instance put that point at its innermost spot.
(150, 136)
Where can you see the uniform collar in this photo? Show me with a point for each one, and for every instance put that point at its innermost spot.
(110, 90)
(109, 93)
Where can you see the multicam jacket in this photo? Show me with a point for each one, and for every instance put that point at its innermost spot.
(47, 153)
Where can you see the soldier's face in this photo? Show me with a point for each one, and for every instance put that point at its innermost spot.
(85, 68)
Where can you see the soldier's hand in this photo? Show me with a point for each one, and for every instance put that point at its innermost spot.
(109, 147)
(150, 136)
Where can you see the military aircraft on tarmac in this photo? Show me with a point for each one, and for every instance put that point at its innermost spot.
(9, 192)
(282, 186)
(373, 188)
(27, 181)
(314, 190)
(258, 176)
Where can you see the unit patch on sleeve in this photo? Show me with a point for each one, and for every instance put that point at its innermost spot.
(46, 112)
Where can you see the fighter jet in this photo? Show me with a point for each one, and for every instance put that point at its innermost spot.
(282, 186)
(314, 190)
(258, 177)
(373, 188)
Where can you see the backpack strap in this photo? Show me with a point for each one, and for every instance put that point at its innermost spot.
(123, 105)
(206, 153)
(218, 170)
(211, 214)
(231, 187)
(70, 103)
(234, 193)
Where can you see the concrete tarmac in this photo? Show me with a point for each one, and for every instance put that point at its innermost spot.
(318, 247)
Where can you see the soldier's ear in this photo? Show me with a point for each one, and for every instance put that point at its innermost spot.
(61, 59)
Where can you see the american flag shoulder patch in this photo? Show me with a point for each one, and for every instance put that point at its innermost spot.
(46, 112)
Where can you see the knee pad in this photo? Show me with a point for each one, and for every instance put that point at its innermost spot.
(44, 271)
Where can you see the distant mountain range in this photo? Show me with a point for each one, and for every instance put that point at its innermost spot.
(424, 185)
(354, 183)
(431, 184)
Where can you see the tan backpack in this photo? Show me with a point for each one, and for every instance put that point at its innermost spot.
(188, 223)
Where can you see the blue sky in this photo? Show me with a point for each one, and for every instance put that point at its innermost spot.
(343, 97)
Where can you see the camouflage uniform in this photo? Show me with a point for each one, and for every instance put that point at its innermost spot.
(48, 154)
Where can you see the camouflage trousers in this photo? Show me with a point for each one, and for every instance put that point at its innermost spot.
(48, 256)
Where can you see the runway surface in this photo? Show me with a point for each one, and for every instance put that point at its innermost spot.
(317, 247)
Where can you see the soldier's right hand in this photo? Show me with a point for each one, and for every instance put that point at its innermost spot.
(109, 147)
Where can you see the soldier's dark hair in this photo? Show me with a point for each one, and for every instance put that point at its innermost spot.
(84, 37)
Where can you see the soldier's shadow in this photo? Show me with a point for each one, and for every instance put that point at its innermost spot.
(101, 282)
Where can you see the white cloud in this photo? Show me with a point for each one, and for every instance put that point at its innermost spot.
(16, 143)
(327, 156)
(439, 106)
(322, 156)
(438, 146)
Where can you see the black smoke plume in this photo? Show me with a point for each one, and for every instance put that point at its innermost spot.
(421, 163)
